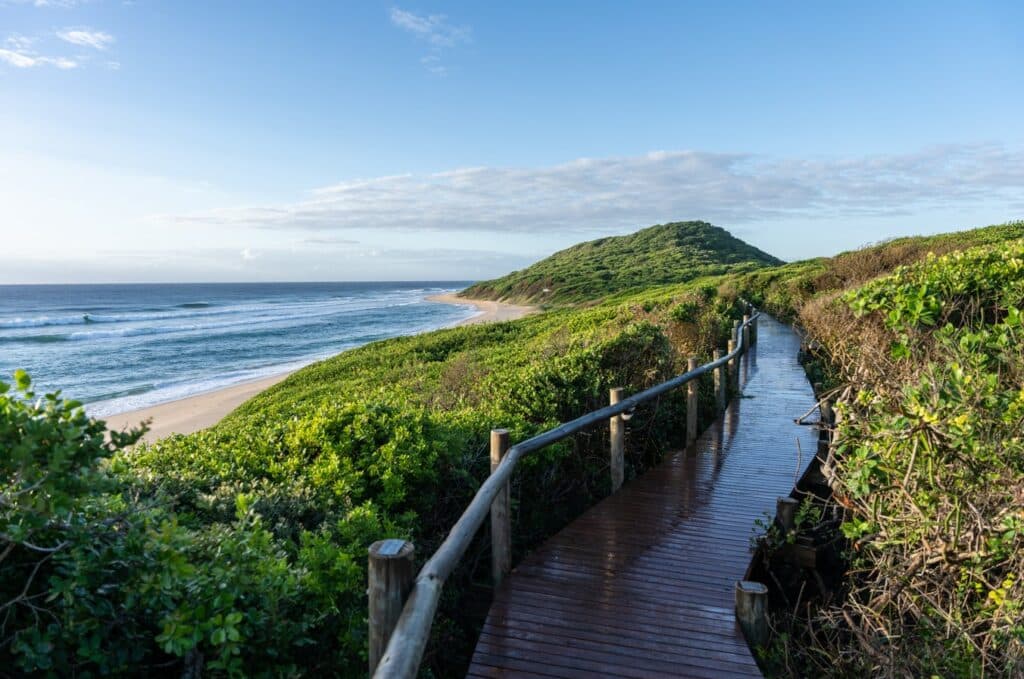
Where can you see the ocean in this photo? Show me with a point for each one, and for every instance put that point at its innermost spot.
(117, 348)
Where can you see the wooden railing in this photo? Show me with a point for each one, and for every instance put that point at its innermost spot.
(401, 609)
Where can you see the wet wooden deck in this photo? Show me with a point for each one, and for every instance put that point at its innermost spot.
(641, 585)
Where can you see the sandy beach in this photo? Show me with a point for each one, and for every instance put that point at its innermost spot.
(488, 311)
(197, 412)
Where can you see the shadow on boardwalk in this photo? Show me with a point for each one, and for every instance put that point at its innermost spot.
(641, 585)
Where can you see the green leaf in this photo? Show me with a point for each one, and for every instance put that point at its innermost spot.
(22, 380)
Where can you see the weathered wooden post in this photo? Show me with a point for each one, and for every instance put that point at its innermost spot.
(751, 604)
(746, 333)
(753, 328)
(785, 512)
(734, 367)
(736, 332)
(825, 419)
(719, 383)
(691, 404)
(390, 574)
(617, 427)
(501, 518)
(827, 416)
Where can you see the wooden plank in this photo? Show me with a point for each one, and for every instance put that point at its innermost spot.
(639, 663)
(539, 593)
(642, 584)
(654, 638)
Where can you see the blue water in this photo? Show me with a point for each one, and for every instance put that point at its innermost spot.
(122, 347)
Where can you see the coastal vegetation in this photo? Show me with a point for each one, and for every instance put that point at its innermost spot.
(928, 466)
(241, 550)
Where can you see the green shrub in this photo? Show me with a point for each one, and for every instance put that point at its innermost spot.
(96, 581)
(930, 468)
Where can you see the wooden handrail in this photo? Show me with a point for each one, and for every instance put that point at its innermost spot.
(404, 651)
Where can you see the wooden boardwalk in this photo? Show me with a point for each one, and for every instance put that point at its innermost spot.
(641, 585)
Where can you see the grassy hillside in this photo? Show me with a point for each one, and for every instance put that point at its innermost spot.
(241, 550)
(667, 253)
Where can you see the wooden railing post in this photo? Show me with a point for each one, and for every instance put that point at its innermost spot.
(691, 404)
(719, 382)
(825, 420)
(501, 519)
(734, 367)
(390, 574)
(751, 602)
(736, 333)
(617, 429)
(746, 333)
(785, 512)
(827, 416)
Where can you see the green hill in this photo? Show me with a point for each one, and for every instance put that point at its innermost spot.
(666, 253)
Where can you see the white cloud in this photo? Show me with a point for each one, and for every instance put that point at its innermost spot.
(606, 194)
(436, 30)
(19, 42)
(19, 50)
(26, 59)
(433, 28)
(17, 59)
(85, 37)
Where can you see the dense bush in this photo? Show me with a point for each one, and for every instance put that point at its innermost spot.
(934, 469)
(929, 466)
(95, 580)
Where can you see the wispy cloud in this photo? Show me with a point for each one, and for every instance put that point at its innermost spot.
(23, 58)
(19, 42)
(85, 37)
(433, 28)
(436, 31)
(606, 194)
(20, 51)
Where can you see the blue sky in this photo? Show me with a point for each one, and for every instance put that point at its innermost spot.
(156, 141)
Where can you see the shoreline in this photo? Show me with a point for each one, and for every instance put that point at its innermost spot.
(487, 310)
(203, 410)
